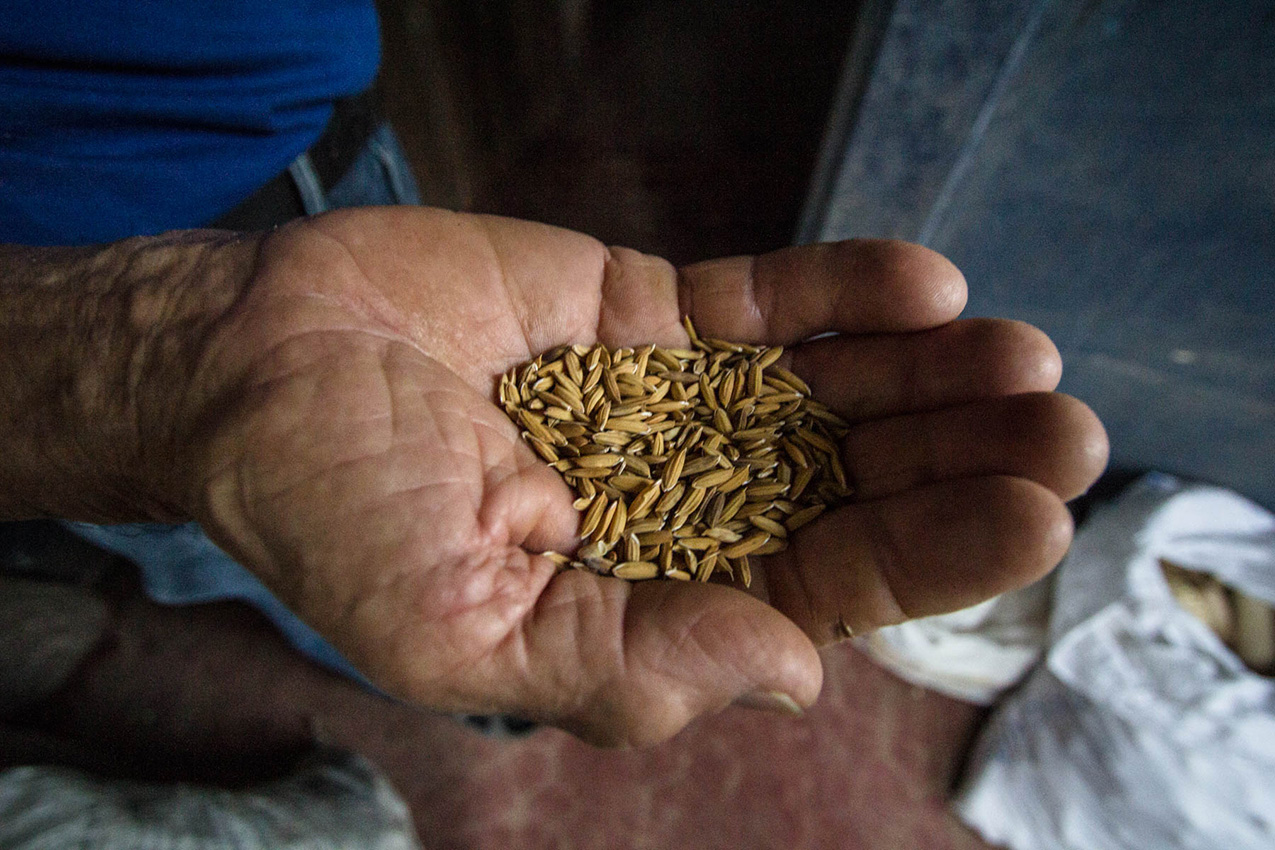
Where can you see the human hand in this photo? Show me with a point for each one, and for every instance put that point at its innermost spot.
(341, 440)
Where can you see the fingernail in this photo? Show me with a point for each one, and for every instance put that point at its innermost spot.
(777, 702)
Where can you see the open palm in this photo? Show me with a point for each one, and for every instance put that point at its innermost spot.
(351, 455)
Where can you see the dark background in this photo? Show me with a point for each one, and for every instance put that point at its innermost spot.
(685, 128)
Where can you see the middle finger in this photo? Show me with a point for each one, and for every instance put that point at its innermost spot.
(1049, 438)
(865, 377)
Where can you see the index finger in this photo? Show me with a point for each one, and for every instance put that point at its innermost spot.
(856, 286)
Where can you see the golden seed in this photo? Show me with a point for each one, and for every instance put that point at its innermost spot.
(838, 471)
(764, 434)
(611, 386)
(673, 469)
(604, 524)
(646, 525)
(638, 465)
(713, 511)
(572, 361)
(794, 451)
(822, 413)
(575, 473)
(690, 330)
(533, 425)
(665, 359)
(628, 483)
(712, 479)
(670, 499)
(630, 424)
(635, 570)
(616, 525)
(723, 534)
(766, 491)
(723, 345)
(593, 550)
(732, 507)
(593, 516)
(706, 393)
(644, 501)
(768, 357)
(699, 543)
(752, 509)
(768, 525)
(790, 379)
(746, 546)
(612, 438)
(720, 420)
(690, 502)
(726, 389)
(803, 516)
(771, 546)
(656, 537)
(699, 465)
(706, 566)
(754, 380)
(735, 481)
(543, 449)
(801, 481)
(553, 400)
(601, 461)
(817, 440)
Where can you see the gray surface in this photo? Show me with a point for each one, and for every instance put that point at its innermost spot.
(1105, 170)
(333, 801)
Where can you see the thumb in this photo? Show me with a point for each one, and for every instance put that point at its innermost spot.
(649, 658)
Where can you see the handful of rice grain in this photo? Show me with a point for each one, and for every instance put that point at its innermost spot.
(685, 461)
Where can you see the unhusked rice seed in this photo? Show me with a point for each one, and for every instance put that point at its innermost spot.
(685, 462)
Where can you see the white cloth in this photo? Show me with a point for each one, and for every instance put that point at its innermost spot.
(1142, 729)
(972, 655)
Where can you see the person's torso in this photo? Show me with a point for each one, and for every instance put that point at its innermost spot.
(127, 117)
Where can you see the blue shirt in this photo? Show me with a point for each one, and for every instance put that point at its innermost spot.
(128, 117)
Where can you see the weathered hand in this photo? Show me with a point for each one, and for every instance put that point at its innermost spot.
(348, 451)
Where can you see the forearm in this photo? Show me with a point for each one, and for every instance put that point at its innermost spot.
(98, 347)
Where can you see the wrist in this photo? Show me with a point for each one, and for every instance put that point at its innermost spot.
(100, 350)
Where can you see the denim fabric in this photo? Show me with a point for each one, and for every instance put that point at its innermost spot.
(179, 564)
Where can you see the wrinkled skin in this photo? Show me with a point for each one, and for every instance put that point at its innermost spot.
(350, 453)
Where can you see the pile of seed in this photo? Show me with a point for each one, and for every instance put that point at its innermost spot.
(685, 461)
